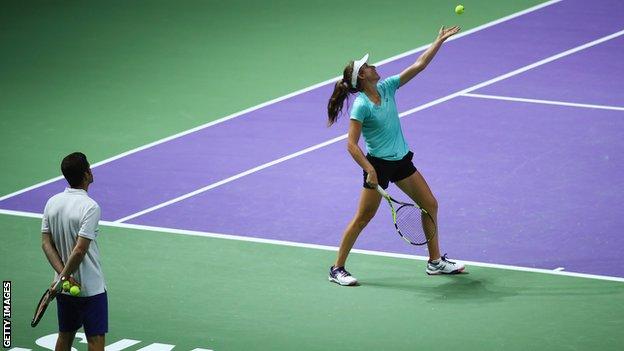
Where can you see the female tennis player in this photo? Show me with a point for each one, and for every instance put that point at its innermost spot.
(374, 115)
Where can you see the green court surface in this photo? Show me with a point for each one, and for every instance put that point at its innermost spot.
(197, 292)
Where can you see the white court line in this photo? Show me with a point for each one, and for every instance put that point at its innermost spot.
(323, 247)
(546, 102)
(298, 92)
(402, 114)
(230, 179)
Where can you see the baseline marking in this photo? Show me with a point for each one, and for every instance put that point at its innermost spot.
(323, 247)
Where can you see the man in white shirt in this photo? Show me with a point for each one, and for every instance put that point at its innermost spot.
(69, 231)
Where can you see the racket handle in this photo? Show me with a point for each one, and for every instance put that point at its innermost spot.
(57, 284)
(382, 192)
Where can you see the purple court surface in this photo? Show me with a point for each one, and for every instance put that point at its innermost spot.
(518, 183)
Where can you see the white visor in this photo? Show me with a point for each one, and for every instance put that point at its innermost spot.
(356, 69)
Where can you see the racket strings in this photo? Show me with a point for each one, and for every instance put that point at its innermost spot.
(415, 225)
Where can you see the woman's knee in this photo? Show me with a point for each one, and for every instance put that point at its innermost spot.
(431, 205)
(363, 217)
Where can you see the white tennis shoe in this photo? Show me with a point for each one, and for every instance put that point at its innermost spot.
(339, 275)
(445, 266)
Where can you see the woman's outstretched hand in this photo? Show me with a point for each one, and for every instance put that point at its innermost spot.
(446, 33)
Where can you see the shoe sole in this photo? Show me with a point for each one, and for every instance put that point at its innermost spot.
(457, 271)
(337, 282)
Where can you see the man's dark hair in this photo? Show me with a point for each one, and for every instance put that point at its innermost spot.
(74, 167)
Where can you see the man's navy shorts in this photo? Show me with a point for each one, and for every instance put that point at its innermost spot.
(75, 312)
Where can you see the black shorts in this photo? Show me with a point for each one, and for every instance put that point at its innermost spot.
(88, 312)
(390, 171)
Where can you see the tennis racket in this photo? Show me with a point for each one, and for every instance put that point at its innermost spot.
(414, 224)
(44, 302)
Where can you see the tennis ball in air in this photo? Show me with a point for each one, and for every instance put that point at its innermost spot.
(459, 9)
(66, 285)
(75, 290)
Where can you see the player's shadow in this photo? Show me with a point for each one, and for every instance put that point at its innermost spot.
(467, 288)
(454, 288)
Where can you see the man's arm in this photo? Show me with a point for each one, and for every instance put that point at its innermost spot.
(76, 257)
(88, 229)
(51, 253)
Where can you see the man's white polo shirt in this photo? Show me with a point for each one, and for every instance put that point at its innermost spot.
(68, 215)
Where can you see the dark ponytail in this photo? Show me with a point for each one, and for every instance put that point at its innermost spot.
(341, 91)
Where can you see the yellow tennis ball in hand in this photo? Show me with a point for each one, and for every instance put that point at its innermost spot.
(66, 285)
(75, 290)
(459, 9)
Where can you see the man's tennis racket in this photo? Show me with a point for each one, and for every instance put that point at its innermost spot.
(45, 300)
(414, 224)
